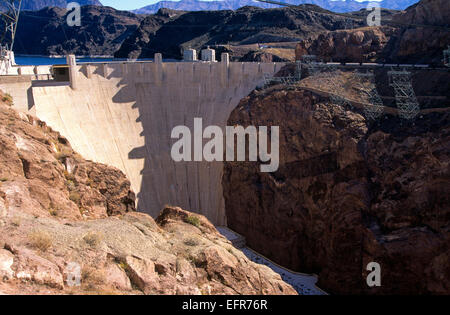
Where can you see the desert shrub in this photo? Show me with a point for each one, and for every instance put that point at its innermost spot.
(40, 240)
(71, 186)
(63, 153)
(191, 242)
(93, 239)
(7, 99)
(92, 278)
(193, 220)
(75, 197)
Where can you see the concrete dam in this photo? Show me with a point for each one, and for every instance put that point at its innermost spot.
(122, 114)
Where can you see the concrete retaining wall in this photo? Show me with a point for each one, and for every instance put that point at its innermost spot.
(123, 115)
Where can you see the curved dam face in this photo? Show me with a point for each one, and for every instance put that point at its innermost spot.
(123, 115)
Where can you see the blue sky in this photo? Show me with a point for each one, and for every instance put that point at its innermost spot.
(136, 4)
(127, 4)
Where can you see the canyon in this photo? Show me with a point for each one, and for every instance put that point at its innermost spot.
(349, 190)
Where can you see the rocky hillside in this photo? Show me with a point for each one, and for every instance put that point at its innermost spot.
(413, 43)
(248, 25)
(137, 43)
(64, 219)
(348, 192)
(418, 35)
(102, 32)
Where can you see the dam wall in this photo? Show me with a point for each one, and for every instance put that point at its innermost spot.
(122, 114)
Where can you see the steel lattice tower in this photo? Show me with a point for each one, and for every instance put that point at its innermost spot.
(401, 81)
(11, 20)
(298, 70)
(367, 87)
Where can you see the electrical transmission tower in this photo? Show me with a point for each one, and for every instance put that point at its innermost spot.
(447, 57)
(373, 108)
(406, 99)
(10, 19)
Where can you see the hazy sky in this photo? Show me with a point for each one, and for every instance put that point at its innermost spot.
(136, 4)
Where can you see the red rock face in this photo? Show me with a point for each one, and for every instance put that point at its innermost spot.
(41, 174)
(346, 194)
(357, 45)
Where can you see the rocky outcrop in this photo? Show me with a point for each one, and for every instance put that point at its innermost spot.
(264, 56)
(40, 174)
(356, 45)
(67, 226)
(347, 193)
(423, 33)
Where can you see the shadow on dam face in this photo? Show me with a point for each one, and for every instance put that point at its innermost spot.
(123, 115)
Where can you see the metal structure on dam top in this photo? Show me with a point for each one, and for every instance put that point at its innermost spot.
(400, 80)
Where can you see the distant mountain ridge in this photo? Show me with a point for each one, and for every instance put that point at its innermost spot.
(335, 6)
(35, 5)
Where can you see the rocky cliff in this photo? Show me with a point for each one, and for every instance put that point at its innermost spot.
(356, 45)
(419, 34)
(424, 33)
(68, 226)
(348, 192)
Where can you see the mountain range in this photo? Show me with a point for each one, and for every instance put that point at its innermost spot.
(35, 5)
(198, 5)
(335, 6)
